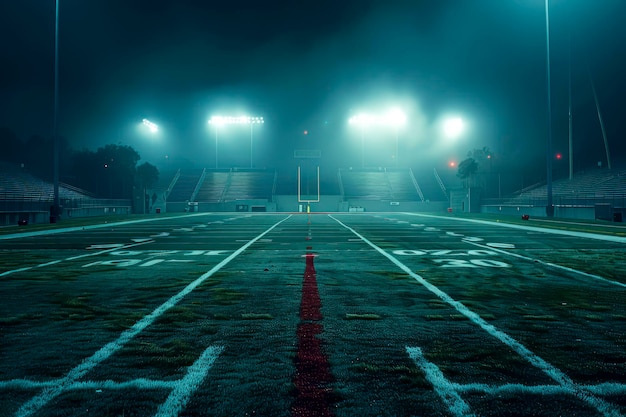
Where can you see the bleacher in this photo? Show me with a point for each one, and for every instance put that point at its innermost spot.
(402, 185)
(213, 186)
(17, 184)
(250, 185)
(591, 184)
(427, 183)
(185, 185)
(365, 184)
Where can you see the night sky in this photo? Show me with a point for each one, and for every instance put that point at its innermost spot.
(309, 66)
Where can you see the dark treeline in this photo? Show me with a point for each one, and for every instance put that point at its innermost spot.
(109, 172)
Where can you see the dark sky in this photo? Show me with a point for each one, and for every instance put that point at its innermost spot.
(310, 65)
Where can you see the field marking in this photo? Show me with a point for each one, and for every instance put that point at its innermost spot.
(550, 264)
(72, 258)
(449, 391)
(587, 235)
(443, 387)
(553, 372)
(89, 227)
(185, 388)
(49, 393)
(181, 390)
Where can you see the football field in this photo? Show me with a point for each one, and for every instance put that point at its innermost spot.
(347, 314)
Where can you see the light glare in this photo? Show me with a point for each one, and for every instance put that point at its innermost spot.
(453, 127)
(232, 120)
(152, 126)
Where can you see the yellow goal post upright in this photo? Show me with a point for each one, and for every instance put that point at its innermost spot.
(307, 154)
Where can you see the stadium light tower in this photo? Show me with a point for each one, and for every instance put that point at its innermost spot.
(549, 205)
(394, 118)
(56, 206)
(235, 120)
(397, 119)
(453, 127)
(154, 128)
(361, 121)
(253, 121)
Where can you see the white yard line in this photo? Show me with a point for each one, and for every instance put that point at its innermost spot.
(443, 387)
(48, 394)
(549, 264)
(587, 235)
(185, 388)
(72, 258)
(449, 391)
(557, 375)
(90, 227)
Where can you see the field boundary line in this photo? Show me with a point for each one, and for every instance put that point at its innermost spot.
(449, 391)
(604, 407)
(41, 399)
(587, 235)
(549, 264)
(180, 390)
(90, 227)
(73, 258)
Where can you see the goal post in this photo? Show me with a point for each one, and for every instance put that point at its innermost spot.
(308, 200)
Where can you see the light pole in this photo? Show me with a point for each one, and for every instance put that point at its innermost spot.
(361, 120)
(55, 212)
(394, 117)
(253, 121)
(549, 206)
(397, 119)
(235, 120)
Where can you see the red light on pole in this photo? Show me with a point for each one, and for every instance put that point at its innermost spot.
(559, 156)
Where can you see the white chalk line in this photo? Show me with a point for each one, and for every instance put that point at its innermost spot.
(549, 264)
(443, 387)
(90, 227)
(588, 235)
(181, 390)
(557, 375)
(178, 398)
(72, 258)
(449, 391)
(49, 393)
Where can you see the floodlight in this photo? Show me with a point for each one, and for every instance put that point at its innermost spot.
(152, 126)
(395, 117)
(453, 127)
(235, 120)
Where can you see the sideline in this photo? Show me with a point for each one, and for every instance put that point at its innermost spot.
(588, 235)
(565, 382)
(89, 227)
(40, 400)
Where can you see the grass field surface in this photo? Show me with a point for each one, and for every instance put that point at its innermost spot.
(365, 314)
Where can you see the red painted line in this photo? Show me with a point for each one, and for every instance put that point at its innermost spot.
(312, 367)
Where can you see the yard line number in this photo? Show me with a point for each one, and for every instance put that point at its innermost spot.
(447, 258)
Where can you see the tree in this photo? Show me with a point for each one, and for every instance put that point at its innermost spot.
(147, 175)
(470, 168)
(467, 168)
(119, 163)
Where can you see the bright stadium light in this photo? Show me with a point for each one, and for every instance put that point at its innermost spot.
(397, 119)
(235, 120)
(394, 118)
(453, 127)
(154, 128)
